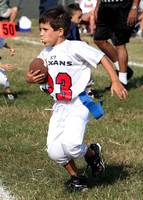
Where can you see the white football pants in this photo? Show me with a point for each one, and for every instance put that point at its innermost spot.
(66, 131)
(3, 79)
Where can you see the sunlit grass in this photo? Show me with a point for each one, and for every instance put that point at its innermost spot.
(25, 168)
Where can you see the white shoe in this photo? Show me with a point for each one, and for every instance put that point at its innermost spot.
(85, 31)
(80, 31)
(44, 88)
(139, 34)
(10, 96)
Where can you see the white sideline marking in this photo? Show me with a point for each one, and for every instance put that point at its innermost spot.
(135, 64)
(38, 43)
(27, 40)
(5, 194)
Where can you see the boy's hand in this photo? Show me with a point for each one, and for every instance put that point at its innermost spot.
(119, 89)
(12, 51)
(33, 77)
(7, 67)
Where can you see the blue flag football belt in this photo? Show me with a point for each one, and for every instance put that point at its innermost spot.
(96, 110)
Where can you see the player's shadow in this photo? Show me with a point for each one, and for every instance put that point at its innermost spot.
(3, 94)
(25, 92)
(133, 83)
(16, 94)
(111, 175)
(20, 93)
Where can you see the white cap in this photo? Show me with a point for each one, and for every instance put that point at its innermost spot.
(24, 24)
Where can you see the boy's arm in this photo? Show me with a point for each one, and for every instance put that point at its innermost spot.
(116, 85)
(12, 50)
(7, 67)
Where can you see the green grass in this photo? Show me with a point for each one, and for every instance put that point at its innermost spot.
(25, 168)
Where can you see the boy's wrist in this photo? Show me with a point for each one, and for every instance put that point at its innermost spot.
(115, 81)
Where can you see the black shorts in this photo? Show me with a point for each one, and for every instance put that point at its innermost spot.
(112, 23)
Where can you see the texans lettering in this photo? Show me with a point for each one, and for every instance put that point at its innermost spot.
(63, 63)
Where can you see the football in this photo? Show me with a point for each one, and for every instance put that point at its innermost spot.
(36, 64)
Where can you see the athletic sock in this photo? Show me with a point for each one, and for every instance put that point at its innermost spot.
(139, 33)
(117, 65)
(123, 77)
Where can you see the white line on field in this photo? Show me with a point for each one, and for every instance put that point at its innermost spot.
(135, 64)
(38, 43)
(5, 194)
(27, 40)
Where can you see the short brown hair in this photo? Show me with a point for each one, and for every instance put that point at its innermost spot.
(58, 18)
(71, 8)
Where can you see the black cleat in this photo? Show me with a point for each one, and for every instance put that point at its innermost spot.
(95, 162)
(77, 183)
(44, 88)
(129, 73)
(95, 94)
(10, 96)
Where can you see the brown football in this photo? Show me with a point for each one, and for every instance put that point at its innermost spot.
(36, 64)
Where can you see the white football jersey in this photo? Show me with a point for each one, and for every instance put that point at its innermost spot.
(87, 5)
(69, 68)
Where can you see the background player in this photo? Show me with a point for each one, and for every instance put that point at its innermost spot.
(76, 12)
(69, 72)
(3, 79)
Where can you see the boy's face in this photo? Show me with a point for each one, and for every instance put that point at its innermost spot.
(50, 37)
(76, 16)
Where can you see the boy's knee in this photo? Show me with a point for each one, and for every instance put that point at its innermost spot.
(57, 155)
(63, 153)
(52, 152)
(14, 10)
(71, 150)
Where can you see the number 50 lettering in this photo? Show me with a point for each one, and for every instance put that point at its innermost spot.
(7, 29)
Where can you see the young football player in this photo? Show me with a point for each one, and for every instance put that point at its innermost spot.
(3, 79)
(69, 72)
(73, 34)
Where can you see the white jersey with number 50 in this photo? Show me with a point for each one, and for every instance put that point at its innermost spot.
(69, 68)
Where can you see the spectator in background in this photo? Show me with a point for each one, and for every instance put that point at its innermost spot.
(77, 1)
(47, 5)
(108, 26)
(7, 11)
(15, 5)
(88, 7)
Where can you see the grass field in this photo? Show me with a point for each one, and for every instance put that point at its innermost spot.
(25, 168)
